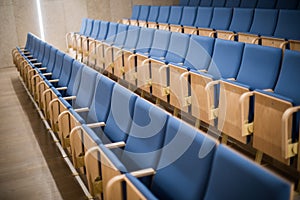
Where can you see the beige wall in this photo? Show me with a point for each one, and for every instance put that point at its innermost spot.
(18, 17)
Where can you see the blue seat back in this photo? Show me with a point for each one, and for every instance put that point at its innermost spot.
(188, 16)
(266, 4)
(112, 32)
(230, 169)
(144, 12)
(186, 157)
(248, 3)
(86, 88)
(241, 19)
(226, 59)
(135, 12)
(153, 13)
(218, 3)
(66, 70)
(193, 3)
(146, 136)
(160, 43)
(28, 41)
(89, 27)
(177, 48)
(100, 106)
(164, 13)
(145, 40)
(121, 35)
(96, 28)
(221, 18)
(83, 26)
(283, 4)
(52, 58)
(175, 15)
(41, 54)
(46, 57)
(132, 37)
(35, 51)
(264, 22)
(120, 116)
(184, 2)
(199, 52)
(288, 25)
(260, 66)
(232, 3)
(289, 79)
(103, 30)
(205, 3)
(75, 78)
(204, 17)
(58, 65)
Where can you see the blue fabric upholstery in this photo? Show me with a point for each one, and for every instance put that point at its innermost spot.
(135, 12)
(153, 13)
(96, 28)
(83, 26)
(74, 81)
(41, 54)
(205, 3)
(248, 3)
(241, 19)
(221, 18)
(199, 52)
(283, 4)
(144, 45)
(193, 3)
(89, 27)
(146, 136)
(177, 48)
(120, 116)
(235, 177)
(103, 31)
(184, 166)
(264, 22)
(66, 70)
(144, 12)
(58, 65)
(266, 4)
(92, 134)
(260, 66)
(232, 3)
(188, 16)
(164, 13)
(184, 2)
(175, 15)
(288, 25)
(112, 32)
(204, 17)
(46, 57)
(121, 35)
(100, 106)
(226, 59)
(160, 43)
(132, 38)
(218, 3)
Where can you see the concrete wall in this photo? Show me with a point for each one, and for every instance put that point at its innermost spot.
(18, 17)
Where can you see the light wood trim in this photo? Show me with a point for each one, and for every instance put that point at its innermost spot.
(115, 145)
(246, 130)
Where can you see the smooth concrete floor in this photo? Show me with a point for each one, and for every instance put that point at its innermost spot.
(31, 166)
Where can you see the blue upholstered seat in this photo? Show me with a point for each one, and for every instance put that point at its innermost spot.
(184, 2)
(193, 3)
(204, 17)
(232, 3)
(163, 15)
(188, 16)
(241, 19)
(144, 12)
(204, 3)
(248, 3)
(218, 3)
(221, 18)
(153, 13)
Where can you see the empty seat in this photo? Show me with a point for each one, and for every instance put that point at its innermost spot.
(232, 3)
(248, 3)
(266, 4)
(229, 169)
(205, 3)
(218, 3)
(276, 114)
(195, 148)
(203, 19)
(187, 19)
(87, 33)
(225, 63)
(135, 13)
(287, 31)
(87, 40)
(152, 17)
(259, 70)
(264, 23)
(184, 2)
(220, 21)
(240, 22)
(174, 18)
(193, 3)
(163, 16)
(144, 12)
(71, 37)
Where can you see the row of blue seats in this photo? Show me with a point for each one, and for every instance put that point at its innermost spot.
(115, 134)
(279, 4)
(240, 24)
(174, 73)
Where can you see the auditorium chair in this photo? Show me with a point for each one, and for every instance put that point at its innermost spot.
(187, 19)
(205, 3)
(263, 24)
(203, 20)
(174, 18)
(277, 113)
(232, 3)
(218, 3)
(152, 17)
(163, 16)
(71, 37)
(79, 38)
(134, 15)
(248, 3)
(140, 150)
(144, 13)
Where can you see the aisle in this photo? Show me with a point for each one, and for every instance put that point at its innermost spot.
(31, 167)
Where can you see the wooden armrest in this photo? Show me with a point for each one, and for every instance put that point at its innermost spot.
(54, 80)
(115, 145)
(86, 109)
(211, 84)
(130, 57)
(47, 74)
(143, 172)
(97, 124)
(69, 98)
(162, 67)
(35, 64)
(62, 88)
(247, 128)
